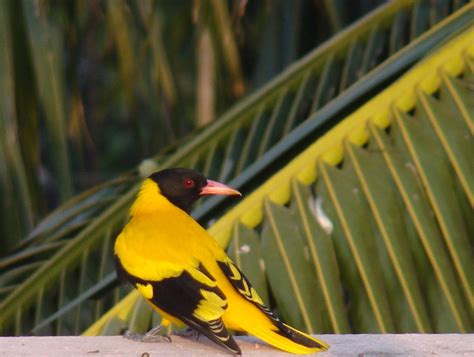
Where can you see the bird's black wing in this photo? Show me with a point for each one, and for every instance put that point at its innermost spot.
(193, 298)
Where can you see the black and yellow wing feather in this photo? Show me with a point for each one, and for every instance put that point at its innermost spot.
(242, 285)
(192, 297)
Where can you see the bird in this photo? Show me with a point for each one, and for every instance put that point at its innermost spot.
(185, 275)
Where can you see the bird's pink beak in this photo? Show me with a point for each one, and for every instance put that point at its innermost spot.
(217, 188)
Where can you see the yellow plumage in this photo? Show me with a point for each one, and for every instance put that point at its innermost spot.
(162, 247)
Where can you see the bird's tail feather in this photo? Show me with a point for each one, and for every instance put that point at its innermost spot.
(289, 339)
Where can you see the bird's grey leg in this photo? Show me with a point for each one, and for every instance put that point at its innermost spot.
(158, 333)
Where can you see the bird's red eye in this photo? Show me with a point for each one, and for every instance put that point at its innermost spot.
(189, 183)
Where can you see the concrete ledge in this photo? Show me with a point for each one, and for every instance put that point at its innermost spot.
(341, 345)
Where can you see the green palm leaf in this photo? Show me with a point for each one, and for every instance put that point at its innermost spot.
(361, 181)
(284, 113)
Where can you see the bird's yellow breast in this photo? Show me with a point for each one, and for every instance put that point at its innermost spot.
(160, 240)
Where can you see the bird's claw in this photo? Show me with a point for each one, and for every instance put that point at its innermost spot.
(151, 336)
(156, 339)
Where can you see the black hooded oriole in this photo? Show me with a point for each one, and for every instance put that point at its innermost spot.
(186, 276)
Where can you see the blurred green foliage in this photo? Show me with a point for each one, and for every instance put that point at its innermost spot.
(90, 88)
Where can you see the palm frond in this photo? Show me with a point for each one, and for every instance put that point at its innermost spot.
(287, 114)
(354, 221)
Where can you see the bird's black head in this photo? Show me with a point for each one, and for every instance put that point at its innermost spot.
(183, 187)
